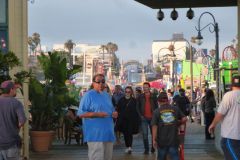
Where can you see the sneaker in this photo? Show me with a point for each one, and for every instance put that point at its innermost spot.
(129, 150)
(152, 150)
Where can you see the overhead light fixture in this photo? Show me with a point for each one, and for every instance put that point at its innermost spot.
(160, 15)
(190, 13)
(174, 14)
(199, 38)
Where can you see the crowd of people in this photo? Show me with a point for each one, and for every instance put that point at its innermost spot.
(105, 116)
(132, 111)
(140, 110)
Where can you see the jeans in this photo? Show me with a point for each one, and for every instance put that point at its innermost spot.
(171, 151)
(231, 148)
(12, 153)
(145, 124)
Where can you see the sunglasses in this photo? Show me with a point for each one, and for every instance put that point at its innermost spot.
(98, 82)
(128, 92)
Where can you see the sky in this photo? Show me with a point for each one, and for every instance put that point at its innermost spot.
(129, 24)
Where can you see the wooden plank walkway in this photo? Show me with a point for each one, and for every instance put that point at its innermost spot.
(196, 148)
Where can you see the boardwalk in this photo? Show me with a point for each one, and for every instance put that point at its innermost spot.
(196, 148)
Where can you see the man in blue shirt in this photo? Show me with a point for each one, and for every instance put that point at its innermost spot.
(97, 111)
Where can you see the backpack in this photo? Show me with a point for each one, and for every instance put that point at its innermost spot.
(184, 104)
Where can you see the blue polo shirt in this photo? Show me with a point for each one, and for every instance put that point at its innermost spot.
(97, 129)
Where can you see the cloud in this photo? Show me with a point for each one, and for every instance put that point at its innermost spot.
(130, 24)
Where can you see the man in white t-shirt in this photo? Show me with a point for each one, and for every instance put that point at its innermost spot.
(229, 113)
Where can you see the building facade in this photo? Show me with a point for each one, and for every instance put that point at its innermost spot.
(168, 56)
(13, 36)
(93, 60)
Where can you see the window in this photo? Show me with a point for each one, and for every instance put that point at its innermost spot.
(3, 11)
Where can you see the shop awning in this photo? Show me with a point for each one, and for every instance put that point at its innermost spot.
(158, 84)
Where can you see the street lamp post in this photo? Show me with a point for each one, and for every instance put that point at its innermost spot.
(191, 68)
(158, 60)
(191, 65)
(168, 55)
(172, 49)
(199, 38)
(206, 59)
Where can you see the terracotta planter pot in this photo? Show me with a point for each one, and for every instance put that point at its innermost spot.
(40, 140)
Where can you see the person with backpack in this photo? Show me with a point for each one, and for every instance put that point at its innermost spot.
(182, 102)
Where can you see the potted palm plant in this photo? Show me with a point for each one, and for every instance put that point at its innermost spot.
(8, 60)
(48, 98)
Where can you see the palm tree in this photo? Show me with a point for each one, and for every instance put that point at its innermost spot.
(36, 39)
(31, 45)
(111, 49)
(33, 42)
(103, 47)
(69, 44)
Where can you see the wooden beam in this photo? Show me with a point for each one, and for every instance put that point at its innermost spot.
(157, 4)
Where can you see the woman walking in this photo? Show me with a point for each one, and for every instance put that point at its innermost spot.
(128, 120)
(208, 105)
